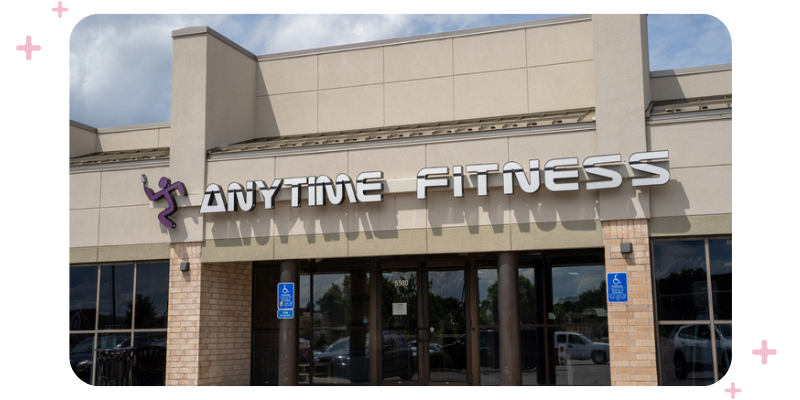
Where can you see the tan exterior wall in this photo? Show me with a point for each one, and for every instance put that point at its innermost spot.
(700, 163)
(81, 141)
(542, 68)
(690, 83)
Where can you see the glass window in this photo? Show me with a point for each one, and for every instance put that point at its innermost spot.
(529, 312)
(152, 291)
(581, 356)
(447, 319)
(81, 349)
(681, 282)
(114, 328)
(570, 345)
(334, 304)
(579, 294)
(82, 297)
(116, 296)
(689, 354)
(721, 255)
(487, 296)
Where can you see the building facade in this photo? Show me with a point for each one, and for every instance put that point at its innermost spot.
(525, 204)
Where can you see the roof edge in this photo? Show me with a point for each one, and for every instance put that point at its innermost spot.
(82, 126)
(198, 30)
(431, 36)
(137, 127)
(692, 70)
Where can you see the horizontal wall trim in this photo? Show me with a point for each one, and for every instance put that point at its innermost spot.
(691, 225)
(131, 252)
(711, 115)
(121, 166)
(466, 239)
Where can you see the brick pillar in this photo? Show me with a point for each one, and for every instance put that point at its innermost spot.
(209, 332)
(183, 317)
(631, 325)
(226, 305)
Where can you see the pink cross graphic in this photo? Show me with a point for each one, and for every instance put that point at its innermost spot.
(764, 352)
(28, 48)
(60, 9)
(733, 390)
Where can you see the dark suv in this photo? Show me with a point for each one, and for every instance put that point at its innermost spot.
(342, 361)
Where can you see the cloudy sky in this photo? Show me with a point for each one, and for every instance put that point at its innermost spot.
(120, 65)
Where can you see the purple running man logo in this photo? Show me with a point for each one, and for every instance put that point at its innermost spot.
(166, 188)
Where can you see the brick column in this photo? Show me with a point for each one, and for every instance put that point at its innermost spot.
(209, 332)
(631, 325)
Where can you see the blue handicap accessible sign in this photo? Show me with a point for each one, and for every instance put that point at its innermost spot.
(286, 296)
(285, 314)
(617, 283)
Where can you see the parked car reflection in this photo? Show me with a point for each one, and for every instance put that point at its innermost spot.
(342, 361)
(575, 346)
(432, 348)
(692, 349)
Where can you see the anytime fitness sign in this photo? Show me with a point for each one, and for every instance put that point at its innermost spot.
(368, 187)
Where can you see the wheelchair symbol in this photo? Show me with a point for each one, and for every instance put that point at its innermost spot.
(285, 290)
(616, 281)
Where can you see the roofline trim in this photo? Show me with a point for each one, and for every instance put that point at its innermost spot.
(82, 126)
(137, 127)
(421, 38)
(198, 30)
(692, 70)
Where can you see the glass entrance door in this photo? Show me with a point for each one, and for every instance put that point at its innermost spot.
(400, 322)
(424, 324)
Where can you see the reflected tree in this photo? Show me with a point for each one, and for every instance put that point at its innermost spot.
(145, 312)
(527, 303)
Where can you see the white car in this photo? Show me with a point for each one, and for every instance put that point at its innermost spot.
(575, 346)
(692, 349)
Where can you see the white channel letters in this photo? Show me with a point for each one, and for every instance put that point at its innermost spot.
(560, 174)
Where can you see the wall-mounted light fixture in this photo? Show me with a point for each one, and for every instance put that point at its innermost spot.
(184, 266)
(625, 248)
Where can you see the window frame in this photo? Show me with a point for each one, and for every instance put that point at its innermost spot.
(711, 322)
(132, 331)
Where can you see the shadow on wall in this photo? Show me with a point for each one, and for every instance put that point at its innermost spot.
(266, 123)
(252, 226)
(678, 200)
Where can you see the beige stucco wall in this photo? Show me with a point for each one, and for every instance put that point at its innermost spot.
(690, 83)
(700, 168)
(110, 208)
(81, 141)
(535, 69)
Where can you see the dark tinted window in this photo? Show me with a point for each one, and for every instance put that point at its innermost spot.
(152, 291)
(82, 297)
(116, 296)
(528, 304)
(579, 294)
(681, 283)
(721, 254)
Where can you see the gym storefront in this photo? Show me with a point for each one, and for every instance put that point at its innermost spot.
(517, 205)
